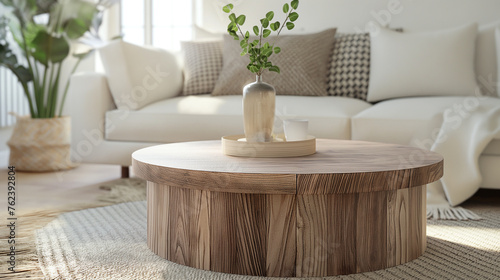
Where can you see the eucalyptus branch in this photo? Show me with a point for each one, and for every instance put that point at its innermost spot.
(284, 23)
(242, 35)
(260, 53)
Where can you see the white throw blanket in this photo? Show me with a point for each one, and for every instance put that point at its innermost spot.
(461, 140)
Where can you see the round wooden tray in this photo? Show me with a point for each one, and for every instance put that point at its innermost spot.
(236, 145)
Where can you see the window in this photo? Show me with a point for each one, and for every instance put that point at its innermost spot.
(161, 23)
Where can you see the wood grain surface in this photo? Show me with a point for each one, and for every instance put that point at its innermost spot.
(351, 207)
(286, 235)
(339, 166)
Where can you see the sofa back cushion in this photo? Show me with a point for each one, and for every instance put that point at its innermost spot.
(139, 75)
(304, 61)
(422, 64)
(202, 66)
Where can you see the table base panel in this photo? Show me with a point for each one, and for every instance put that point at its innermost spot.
(286, 235)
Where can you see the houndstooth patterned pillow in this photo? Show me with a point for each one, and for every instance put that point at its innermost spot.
(202, 66)
(350, 66)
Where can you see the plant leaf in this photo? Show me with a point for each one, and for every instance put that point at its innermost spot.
(275, 26)
(295, 4)
(293, 16)
(274, 69)
(244, 52)
(270, 16)
(247, 35)
(264, 22)
(256, 30)
(267, 52)
(232, 17)
(290, 25)
(46, 47)
(266, 33)
(75, 28)
(286, 8)
(241, 20)
(243, 44)
(277, 50)
(227, 8)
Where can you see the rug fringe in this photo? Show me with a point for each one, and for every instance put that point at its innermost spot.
(450, 213)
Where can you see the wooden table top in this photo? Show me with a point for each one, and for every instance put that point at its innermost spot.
(202, 165)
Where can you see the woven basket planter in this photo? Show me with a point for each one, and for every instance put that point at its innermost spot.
(39, 145)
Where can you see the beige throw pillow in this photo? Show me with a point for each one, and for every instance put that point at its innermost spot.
(304, 61)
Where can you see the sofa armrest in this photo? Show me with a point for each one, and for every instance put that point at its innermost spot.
(87, 102)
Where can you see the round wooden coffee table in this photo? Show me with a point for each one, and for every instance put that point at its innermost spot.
(351, 207)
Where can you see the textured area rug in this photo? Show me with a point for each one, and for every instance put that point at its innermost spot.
(110, 243)
(121, 190)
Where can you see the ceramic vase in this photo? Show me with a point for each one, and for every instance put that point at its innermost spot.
(259, 100)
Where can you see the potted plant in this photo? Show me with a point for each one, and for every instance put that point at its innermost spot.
(43, 32)
(259, 97)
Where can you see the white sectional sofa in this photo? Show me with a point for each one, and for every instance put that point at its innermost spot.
(102, 133)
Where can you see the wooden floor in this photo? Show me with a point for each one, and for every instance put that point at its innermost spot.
(39, 191)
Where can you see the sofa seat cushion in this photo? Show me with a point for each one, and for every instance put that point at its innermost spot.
(205, 117)
(413, 121)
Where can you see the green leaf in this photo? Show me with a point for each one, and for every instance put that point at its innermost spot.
(270, 16)
(274, 69)
(295, 4)
(243, 44)
(266, 45)
(232, 27)
(290, 25)
(277, 50)
(267, 52)
(241, 20)
(275, 26)
(256, 30)
(244, 52)
(268, 64)
(255, 42)
(266, 33)
(75, 28)
(247, 35)
(286, 8)
(49, 48)
(23, 74)
(232, 17)
(254, 69)
(293, 16)
(264, 22)
(9, 60)
(227, 8)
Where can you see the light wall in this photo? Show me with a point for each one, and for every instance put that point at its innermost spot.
(353, 15)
